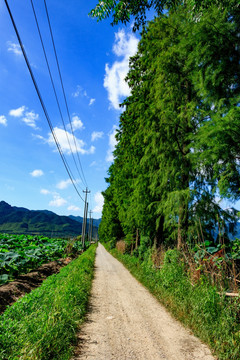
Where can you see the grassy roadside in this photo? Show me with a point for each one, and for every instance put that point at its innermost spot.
(43, 324)
(213, 318)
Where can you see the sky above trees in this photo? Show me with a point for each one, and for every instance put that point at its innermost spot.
(93, 59)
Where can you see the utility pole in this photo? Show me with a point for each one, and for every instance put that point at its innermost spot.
(90, 226)
(85, 227)
(85, 217)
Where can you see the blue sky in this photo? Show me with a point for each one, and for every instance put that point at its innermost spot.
(93, 59)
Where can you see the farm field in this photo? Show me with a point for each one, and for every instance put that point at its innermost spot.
(21, 253)
(44, 323)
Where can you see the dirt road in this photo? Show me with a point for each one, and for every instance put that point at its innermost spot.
(126, 322)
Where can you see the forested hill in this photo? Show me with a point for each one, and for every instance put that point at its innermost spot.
(96, 222)
(178, 146)
(20, 220)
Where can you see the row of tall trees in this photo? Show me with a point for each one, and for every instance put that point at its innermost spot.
(178, 139)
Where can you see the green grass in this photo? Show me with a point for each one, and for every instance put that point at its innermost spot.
(213, 318)
(43, 324)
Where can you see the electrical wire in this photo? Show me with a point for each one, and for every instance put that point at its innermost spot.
(41, 101)
(64, 94)
(54, 89)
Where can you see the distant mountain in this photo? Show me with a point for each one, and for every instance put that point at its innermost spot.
(20, 220)
(96, 222)
(76, 218)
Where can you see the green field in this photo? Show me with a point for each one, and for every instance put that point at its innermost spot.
(21, 253)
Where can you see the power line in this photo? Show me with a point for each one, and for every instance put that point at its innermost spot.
(53, 86)
(64, 94)
(41, 100)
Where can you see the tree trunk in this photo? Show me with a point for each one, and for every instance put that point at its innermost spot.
(137, 239)
(132, 241)
(183, 207)
(182, 223)
(184, 184)
(159, 236)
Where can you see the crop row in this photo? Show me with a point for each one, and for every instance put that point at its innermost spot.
(22, 253)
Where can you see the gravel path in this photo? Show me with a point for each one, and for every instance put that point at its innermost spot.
(126, 322)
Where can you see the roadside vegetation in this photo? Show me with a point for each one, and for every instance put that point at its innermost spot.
(43, 324)
(20, 254)
(194, 300)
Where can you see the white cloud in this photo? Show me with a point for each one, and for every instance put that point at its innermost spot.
(91, 150)
(73, 208)
(112, 143)
(99, 165)
(30, 119)
(3, 120)
(15, 48)
(99, 200)
(39, 137)
(37, 173)
(57, 201)
(96, 135)
(63, 184)
(62, 139)
(76, 123)
(115, 84)
(92, 101)
(17, 112)
(125, 45)
(45, 192)
(80, 92)
(77, 92)
(94, 163)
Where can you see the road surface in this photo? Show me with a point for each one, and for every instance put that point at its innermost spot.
(126, 322)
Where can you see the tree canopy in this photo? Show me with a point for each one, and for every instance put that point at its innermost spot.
(177, 139)
(122, 10)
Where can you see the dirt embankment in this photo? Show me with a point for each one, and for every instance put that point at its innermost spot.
(12, 291)
(126, 322)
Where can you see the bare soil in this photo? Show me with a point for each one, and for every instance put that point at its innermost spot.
(12, 291)
(126, 322)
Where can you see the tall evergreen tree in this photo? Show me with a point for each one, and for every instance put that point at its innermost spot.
(168, 163)
(110, 228)
(217, 57)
